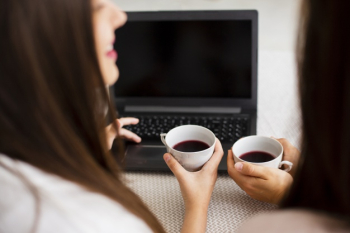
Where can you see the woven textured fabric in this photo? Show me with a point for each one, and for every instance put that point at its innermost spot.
(228, 208)
(278, 115)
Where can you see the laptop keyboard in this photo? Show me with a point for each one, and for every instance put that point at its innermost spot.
(227, 129)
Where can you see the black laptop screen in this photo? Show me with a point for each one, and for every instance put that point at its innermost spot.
(181, 59)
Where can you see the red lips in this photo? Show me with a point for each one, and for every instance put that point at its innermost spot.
(112, 54)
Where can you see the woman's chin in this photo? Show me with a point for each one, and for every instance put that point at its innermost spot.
(112, 76)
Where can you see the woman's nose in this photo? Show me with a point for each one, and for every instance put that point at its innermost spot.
(119, 17)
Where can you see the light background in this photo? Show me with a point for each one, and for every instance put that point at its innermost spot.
(277, 18)
(278, 112)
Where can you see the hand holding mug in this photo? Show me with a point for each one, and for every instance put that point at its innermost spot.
(261, 183)
(268, 184)
(196, 188)
(194, 154)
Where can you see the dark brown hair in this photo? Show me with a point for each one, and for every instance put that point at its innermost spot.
(50, 87)
(323, 179)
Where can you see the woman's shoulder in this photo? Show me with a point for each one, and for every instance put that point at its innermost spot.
(27, 192)
(295, 220)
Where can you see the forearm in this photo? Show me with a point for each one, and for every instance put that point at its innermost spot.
(195, 220)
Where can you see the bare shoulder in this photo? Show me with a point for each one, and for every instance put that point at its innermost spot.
(293, 221)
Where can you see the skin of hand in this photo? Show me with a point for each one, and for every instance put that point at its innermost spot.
(123, 133)
(196, 188)
(262, 183)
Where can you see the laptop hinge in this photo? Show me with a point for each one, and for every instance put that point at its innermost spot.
(227, 110)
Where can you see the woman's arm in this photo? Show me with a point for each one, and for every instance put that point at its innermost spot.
(195, 220)
(196, 189)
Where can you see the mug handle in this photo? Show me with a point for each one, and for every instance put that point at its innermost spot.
(290, 165)
(162, 137)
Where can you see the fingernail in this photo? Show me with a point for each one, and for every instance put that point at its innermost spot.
(167, 157)
(239, 166)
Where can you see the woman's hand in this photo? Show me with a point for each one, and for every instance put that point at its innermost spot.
(262, 183)
(196, 188)
(124, 133)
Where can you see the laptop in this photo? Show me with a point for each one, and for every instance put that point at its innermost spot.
(186, 67)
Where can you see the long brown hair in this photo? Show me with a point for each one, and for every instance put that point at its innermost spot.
(323, 180)
(50, 87)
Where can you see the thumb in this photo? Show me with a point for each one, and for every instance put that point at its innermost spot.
(249, 169)
(173, 164)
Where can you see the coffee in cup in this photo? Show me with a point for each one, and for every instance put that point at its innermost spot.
(191, 145)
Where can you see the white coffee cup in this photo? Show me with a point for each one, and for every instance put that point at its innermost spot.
(264, 144)
(191, 161)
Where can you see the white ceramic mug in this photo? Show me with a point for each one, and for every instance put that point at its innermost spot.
(261, 143)
(191, 161)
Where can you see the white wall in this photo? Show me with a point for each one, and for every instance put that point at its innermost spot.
(277, 18)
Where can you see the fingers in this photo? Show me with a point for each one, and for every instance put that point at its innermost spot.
(126, 133)
(246, 169)
(215, 159)
(231, 165)
(127, 121)
(230, 161)
(285, 143)
(238, 177)
(174, 165)
(249, 169)
(129, 135)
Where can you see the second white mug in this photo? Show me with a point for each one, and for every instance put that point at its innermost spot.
(261, 144)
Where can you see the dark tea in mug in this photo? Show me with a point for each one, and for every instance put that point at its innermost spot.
(191, 146)
(257, 157)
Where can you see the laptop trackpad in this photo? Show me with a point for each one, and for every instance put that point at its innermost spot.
(145, 157)
(145, 152)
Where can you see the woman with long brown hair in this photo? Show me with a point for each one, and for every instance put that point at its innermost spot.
(318, 200)
(56, 171)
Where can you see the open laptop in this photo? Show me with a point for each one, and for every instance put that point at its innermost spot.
(186, 67)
